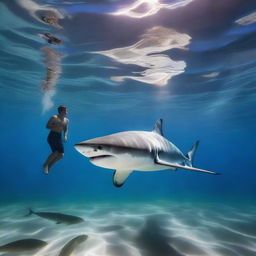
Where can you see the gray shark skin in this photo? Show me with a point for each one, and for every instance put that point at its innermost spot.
(58, 217)
(137, 150)
(72, 245)
(23, 245)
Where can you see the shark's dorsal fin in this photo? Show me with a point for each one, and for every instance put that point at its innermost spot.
(120, 177)
(158, 127)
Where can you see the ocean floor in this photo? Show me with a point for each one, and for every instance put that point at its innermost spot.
(135, 229)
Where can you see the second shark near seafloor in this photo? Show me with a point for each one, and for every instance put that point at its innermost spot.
(58, 217)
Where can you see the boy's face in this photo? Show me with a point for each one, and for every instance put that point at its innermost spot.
(64, 111)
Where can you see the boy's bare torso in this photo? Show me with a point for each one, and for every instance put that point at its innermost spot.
(58, 124)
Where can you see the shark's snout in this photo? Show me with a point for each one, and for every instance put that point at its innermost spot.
(82, 148)
(96, 153)
(77, 145)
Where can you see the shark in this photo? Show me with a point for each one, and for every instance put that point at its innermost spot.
(128, 151)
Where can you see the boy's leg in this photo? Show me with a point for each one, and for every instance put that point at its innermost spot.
(58, 156)
(48, 161)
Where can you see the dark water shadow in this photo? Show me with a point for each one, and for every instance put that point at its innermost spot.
(153, 240)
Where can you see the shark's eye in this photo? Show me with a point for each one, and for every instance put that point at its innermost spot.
(100, 147)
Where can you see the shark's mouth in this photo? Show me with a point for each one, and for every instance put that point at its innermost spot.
(99, 157)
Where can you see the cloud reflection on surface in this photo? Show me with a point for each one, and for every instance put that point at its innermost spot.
(160, 68)
(211, 75)
(247, 20)
(144, 8)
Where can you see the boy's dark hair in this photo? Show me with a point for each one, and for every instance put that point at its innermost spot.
(61, 108)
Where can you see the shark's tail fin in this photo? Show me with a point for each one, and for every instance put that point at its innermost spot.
(29, 213)
(191, 152)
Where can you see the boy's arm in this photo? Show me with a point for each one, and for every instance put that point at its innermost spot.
(51, 123)
(66, 131)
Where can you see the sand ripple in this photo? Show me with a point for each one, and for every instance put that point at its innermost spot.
(159, 229)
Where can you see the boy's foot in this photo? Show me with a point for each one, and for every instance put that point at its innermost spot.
(46, 169)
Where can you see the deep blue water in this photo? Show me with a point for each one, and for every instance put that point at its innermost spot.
(212, 99)
(191, 63)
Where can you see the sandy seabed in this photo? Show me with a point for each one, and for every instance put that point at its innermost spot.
(136, 229)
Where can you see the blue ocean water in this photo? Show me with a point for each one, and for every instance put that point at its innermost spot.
(120, 66)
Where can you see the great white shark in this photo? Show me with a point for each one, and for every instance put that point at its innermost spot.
(137, 150)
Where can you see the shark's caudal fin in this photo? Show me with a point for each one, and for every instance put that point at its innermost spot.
(120, 177)
(158, 127)
(191, 152)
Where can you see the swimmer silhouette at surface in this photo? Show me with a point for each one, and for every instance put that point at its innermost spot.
(56, 124)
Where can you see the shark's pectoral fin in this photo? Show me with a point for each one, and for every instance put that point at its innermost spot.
(161, 162)
(120, 177)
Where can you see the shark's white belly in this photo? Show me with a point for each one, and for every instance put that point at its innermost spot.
(127, 161)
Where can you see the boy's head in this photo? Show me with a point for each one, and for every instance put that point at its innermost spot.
(62, 109)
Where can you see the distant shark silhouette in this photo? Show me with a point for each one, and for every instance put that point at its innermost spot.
(137, 150)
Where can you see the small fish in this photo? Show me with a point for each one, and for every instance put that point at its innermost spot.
(58, 217)
(23, 245)
(50, 38)
(71, 245)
